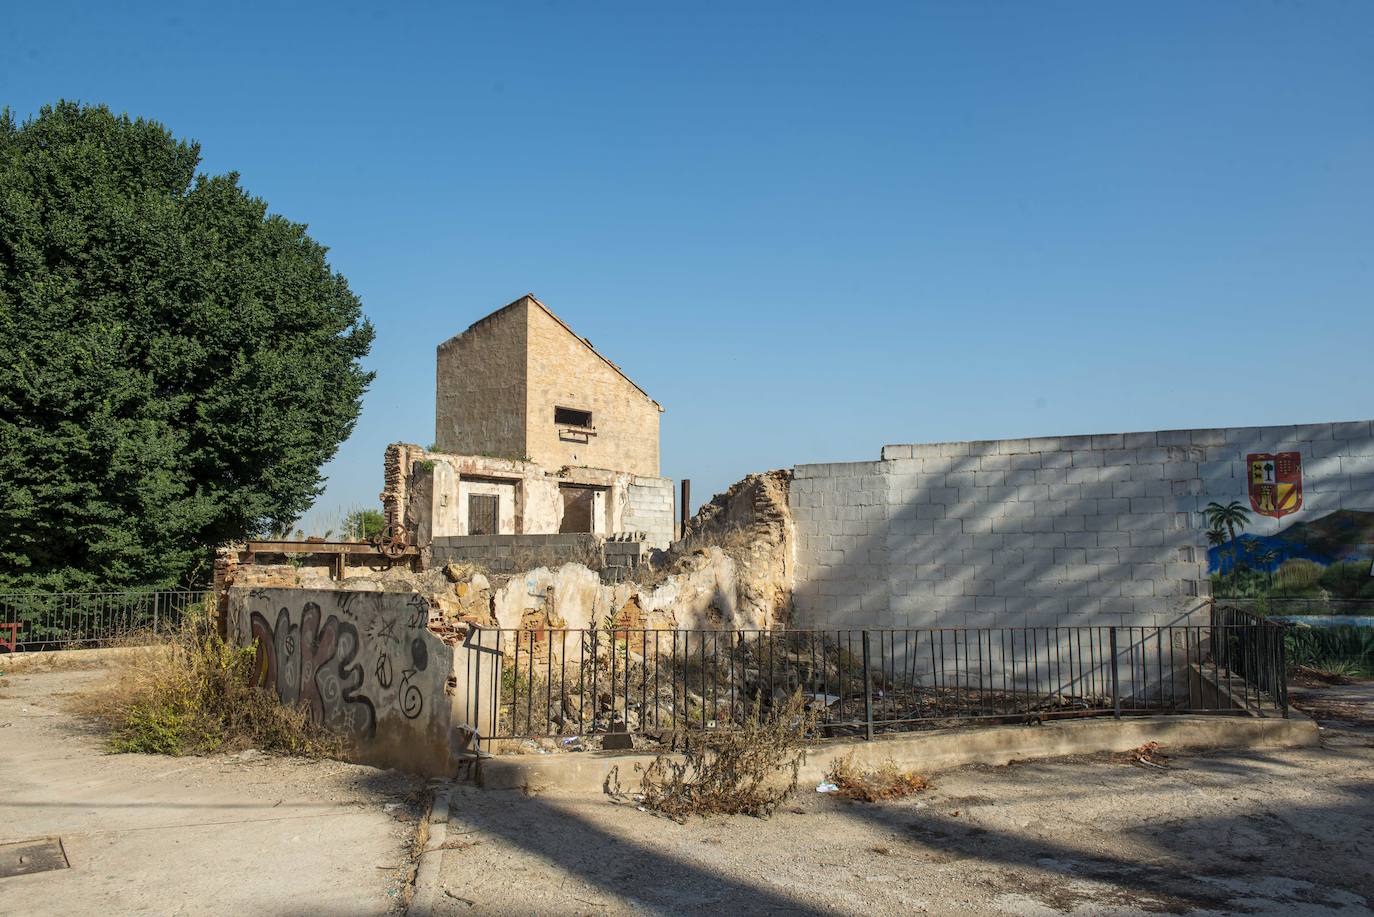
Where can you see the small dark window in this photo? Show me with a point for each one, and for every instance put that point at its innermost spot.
(572, 417)
(483, 514)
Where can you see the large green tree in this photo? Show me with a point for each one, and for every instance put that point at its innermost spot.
(175, 363)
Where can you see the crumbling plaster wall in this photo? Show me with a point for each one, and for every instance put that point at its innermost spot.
(752, 518)
(429, 490)
(1045, 532)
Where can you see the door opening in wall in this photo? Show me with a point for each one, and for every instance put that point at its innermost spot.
(578, 506)
(484, 514)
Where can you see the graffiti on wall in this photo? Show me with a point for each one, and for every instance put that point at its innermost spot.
(313, 664)
(1326, 557)
(350, 666)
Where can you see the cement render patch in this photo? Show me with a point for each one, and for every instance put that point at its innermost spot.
(930, 751)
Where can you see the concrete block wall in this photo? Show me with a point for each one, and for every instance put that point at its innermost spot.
(623, 557)
(515, 553)
(649, 509)
(1045, 532)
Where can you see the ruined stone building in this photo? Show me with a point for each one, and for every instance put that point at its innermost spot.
(536, 434)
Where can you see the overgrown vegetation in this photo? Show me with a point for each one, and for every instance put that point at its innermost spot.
(887, 781)
(196, 695)
(1297, 578)
(175, 363)
(750, 770)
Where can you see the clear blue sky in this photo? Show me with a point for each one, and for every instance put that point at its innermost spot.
(807, 229)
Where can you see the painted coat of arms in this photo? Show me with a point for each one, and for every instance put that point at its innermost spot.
(1275, 482)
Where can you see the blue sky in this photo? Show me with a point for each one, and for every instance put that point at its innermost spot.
(806, 229)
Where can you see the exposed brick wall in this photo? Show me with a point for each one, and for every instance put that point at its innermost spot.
(1050, 531)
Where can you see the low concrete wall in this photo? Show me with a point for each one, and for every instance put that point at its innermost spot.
(928, 752)
(364, 664)
(514, 553)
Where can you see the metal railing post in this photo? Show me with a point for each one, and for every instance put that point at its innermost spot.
(1281, 676)
(1116, 688)
(868, 692)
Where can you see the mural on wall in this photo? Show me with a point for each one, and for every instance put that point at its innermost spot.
(1329, 557)
(351, 659)
(1275, 482)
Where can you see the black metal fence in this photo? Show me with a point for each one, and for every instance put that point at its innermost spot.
(568, 683)
(67, 620)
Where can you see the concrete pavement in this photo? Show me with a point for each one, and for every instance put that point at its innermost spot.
(146, 834)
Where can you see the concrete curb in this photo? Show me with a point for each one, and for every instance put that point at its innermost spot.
(431, 859)
(930, 751)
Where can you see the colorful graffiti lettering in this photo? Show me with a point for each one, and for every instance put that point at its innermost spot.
(313, 665)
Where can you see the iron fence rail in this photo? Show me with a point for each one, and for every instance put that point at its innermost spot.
(558, 683)
(68, 620)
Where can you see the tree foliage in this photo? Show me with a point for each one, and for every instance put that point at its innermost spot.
(364, 524)
(175, 363)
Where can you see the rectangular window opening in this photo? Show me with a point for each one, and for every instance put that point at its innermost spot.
(572, 417)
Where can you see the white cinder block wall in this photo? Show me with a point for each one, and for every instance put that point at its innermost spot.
(1044, 532)
(649, 509)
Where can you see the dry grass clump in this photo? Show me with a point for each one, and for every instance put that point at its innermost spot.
(888, 781)
(1147, 755)
(748, 771)
(198, 697)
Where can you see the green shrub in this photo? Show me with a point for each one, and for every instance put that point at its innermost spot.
(197, 695)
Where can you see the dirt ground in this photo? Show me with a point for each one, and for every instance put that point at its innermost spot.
(146, 834)
(1280, 832)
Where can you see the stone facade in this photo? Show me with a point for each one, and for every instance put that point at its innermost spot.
(501, 382)
(536, 434)
(480, 379)
(1055, 531)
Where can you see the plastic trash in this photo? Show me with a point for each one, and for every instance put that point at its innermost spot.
(826, 787)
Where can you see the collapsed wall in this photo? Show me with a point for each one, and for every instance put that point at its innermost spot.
(753, 517)
(384, 656)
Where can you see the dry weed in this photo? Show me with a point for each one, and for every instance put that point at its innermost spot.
(747, 771)
(1147, 755)
(197, 696)
(888, 781)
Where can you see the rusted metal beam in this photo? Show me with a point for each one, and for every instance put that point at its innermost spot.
(358, 548)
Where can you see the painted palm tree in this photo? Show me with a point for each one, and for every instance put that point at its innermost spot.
(1230, 517)
(1266, 558)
